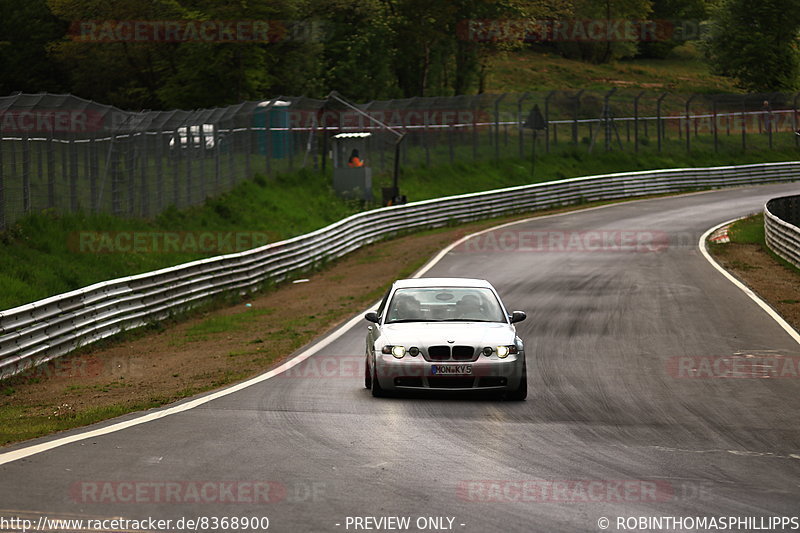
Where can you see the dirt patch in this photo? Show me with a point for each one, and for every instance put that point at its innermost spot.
(775, 283)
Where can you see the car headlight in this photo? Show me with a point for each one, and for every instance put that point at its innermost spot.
(398, 351)
(501, 351)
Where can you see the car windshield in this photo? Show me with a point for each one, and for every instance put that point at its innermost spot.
(444, 304)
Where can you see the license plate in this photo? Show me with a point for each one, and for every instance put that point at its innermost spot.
(451, 370)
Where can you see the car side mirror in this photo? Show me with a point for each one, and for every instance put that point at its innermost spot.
(518, 316)
(372, 316)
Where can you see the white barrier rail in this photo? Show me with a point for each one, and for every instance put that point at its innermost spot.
(38, 332)
(781, 235)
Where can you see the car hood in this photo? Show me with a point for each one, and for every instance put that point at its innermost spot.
(423, 334)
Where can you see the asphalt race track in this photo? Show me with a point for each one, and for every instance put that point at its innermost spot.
(613, 426)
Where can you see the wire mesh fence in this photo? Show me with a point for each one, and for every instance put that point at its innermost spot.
(67, 154)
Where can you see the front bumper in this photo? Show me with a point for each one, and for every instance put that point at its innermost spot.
(415, 373)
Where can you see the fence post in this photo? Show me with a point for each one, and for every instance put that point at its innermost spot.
(794, 120)
(475, 139)
(658, 119)
(688, 119)
(26, 174)
(497, 126)
(714, 118)
(73, 174)
(231, 139)
(51, 170)
(744, 123)
(607, 123)
(547, 120)
(116, 201)
(189, 156)
(636, 121)
(174, 159)
(575, 114)
(159, 171)
(520, 129)
(2, 185)
(144, 193)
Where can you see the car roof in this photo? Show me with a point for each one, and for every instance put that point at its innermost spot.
(441, 282)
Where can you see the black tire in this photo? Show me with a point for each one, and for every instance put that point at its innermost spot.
(521, 392)
(377, 390)
(367, 375)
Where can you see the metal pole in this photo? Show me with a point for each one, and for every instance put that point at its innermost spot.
(520, 122)
(51, 170)
(607, 118)
(160, 172)
(688, 131)
(576, 112)
(770, 118)
(658, 119)
(26, 174)
(714, 118)
(73, 174)
(636, 121)
(744, 123)
(2, 186)
(497, 126)
(547, 120)
(794, 120)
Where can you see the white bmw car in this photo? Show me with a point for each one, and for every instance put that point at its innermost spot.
(444, 334)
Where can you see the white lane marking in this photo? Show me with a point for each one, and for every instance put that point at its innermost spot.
(22, 453)
(753, 296)
(28, 451)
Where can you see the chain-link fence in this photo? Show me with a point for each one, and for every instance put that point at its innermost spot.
(64, 153)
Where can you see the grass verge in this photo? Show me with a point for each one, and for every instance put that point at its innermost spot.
(39, 256)
(748, 258)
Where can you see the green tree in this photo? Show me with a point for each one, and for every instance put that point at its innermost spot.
(610, 10)
(26, 29)
(684, 17)
(756, 43)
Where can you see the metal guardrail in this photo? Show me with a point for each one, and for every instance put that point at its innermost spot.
(41, 331)
(781, 231)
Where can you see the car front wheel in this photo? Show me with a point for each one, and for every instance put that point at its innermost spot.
(377, 390)
(521, 392)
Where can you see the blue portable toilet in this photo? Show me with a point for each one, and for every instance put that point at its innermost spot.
(273, 114)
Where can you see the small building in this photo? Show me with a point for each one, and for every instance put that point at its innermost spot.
(352, 175)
